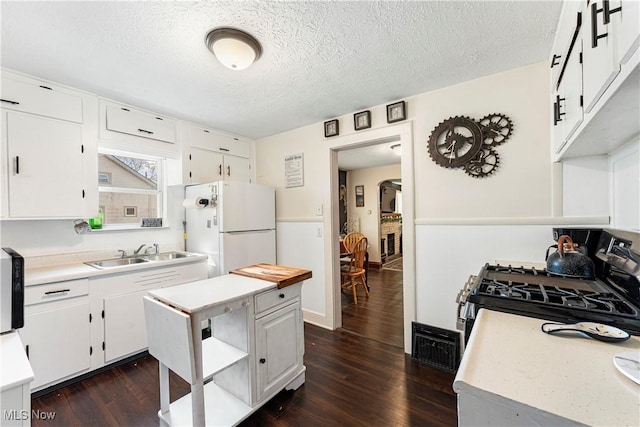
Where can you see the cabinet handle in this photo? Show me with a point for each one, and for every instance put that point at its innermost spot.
(228, 309)
(263, 360)
(594, 26)
(46, 87)
(228, 170)
(555, 60)
(8, 101)
(246, 304)
(606, 16)
(145, 131)
(557, 114)
(59, 291)
(26, 349)
(17, 165)
(223, 149)
(281, 296)
(220, 170)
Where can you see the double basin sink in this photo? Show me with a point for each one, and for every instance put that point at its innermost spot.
(137, 259)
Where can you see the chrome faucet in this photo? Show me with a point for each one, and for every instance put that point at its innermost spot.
(122, 253)
(137, 251)
(155, 248)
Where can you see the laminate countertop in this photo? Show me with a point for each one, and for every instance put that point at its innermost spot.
(542, 379)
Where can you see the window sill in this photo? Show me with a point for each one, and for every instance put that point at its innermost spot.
(136, 227)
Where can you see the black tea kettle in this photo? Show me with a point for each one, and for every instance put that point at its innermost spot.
(569, 262)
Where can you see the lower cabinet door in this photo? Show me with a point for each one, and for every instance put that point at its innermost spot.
(57, 343)
(125, 330)
(278, 349)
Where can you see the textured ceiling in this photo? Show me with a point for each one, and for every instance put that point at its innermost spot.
(320, 59)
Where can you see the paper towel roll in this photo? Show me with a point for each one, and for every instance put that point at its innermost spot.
(195, 202)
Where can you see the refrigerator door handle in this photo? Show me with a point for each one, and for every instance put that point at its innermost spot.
(249, 231)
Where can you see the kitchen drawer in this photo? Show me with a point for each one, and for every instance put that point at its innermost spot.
(275, 298)
(42, 99)
(127, 120)
(55, 291)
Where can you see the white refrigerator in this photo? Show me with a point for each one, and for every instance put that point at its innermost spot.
(233, 223)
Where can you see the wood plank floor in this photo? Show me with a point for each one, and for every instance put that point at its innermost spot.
(379, 316)
(350, 381)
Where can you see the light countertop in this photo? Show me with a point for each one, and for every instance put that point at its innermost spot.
(15, 369)
(199, 295)
(79, 270)
(509, 359)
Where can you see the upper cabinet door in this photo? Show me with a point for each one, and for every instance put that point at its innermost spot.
(137, 123)
(600, 59)
(41, 99)
(205, 166)
(627, 19)
(38, 185)
(236, 169)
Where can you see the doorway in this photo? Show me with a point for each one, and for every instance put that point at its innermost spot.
(364, 206)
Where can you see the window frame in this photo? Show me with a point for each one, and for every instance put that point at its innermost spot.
(161, 190)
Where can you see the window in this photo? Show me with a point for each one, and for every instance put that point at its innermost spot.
(130, 187)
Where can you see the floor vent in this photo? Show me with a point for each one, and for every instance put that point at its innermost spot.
(436, 347)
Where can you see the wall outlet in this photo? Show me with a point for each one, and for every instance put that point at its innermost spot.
(319, 231)
(319, 209)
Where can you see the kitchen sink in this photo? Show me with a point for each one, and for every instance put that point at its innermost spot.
(117, 262)
(165, 256)
(137, 259)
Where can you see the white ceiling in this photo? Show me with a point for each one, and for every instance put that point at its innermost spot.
(321, 59)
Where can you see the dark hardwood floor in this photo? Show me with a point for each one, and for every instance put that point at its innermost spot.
(350, 381)
(379, 316)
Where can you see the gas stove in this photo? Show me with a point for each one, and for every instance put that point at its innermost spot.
(612, 298)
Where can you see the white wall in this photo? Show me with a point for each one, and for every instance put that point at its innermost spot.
(624, 165)
(520, 193)
(369, 214)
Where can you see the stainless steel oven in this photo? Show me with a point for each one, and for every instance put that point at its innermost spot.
(11, 290)
(612, 298)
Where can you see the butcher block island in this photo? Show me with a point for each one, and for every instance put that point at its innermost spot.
(255, 348)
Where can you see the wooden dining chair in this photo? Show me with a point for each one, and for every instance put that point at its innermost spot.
(349, 242)
(354, 272)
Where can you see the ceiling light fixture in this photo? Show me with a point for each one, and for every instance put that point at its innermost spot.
(234, 48)
(397, 148)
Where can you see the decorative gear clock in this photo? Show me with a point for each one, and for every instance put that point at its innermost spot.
(460, 142)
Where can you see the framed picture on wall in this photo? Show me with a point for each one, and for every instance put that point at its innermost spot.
(396, 112)
(359, 196)
(331, 128)
(362, 120)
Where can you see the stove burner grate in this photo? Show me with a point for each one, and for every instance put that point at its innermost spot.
(555, 296)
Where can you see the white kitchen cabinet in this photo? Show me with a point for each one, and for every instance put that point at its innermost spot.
(45, 126)
(37, 186)
(116, 301)
(125, 119)
(600, 57)
(609, 84)
(41, 98)
(627, 19)
(15, 376)
(251, 356)
(209, 166)
(213, 156)
(56, 332)
(278, 355)
(566, 75)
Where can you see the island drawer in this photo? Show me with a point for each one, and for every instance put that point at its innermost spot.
(276, 297)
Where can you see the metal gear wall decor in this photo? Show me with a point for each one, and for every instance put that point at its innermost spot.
(460, 142)
(496, 129)
(455, 141)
